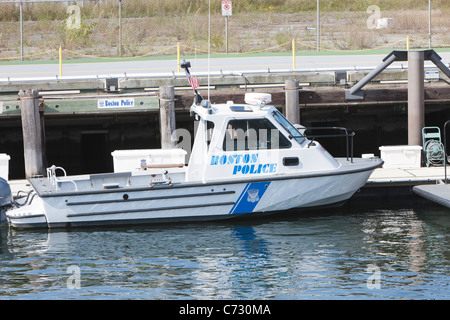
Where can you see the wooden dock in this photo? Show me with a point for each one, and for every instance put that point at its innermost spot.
(439, 193)
(406, 176)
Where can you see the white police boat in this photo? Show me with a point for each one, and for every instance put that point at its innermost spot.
(247, 159)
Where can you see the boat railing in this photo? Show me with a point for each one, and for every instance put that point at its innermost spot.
(51, 175)
(348, 138)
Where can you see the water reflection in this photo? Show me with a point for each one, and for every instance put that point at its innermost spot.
(322, 255)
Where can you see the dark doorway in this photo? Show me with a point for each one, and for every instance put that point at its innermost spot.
(95, 151)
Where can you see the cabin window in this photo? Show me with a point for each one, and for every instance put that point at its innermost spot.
(293, 132)
(253, 134)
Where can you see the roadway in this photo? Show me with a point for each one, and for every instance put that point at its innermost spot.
(228, 64)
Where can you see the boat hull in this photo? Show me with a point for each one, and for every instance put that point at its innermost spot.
(191, 201)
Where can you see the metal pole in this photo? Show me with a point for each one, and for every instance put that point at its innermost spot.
(318, 26)
(226, 34)
(416, 104)
(429, 24)
(361, 83)
(436, 59)
(120, 28)
(21, 31)
(60, 61)
(293, 54)
(178, 57)
(445, 150)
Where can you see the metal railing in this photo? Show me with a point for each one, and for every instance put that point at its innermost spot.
(348, 138)
(445, 150)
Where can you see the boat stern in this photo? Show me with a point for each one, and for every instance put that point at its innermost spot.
(28, 216)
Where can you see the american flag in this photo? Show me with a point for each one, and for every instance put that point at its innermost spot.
(193, 81)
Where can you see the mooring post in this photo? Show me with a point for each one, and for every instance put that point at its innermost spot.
(416, 104)
(292, 101)
(167, 116)
(31, 130)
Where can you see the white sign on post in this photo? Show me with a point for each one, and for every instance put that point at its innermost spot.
(226, 8)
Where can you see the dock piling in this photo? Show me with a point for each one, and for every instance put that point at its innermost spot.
(32, 133)
(416, 102)
(292, 101)
(167, 116)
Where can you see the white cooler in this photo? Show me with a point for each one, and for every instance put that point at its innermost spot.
(401, 156)
(4, 166)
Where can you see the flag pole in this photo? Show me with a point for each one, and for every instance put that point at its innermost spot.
(192, 81)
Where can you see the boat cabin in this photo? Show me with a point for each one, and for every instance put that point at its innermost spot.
(233, 142)
(250, 140)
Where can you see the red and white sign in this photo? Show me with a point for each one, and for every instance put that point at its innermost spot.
(226, 8)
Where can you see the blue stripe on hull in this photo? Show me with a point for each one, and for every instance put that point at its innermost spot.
(250, 197)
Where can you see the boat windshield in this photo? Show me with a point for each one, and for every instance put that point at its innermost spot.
(293, 132)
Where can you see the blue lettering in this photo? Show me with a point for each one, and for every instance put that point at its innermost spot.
(231, 159)
(273, 167)
(111, 103)
(237, 169)
(253, 169)
(214, 160)
(249, 163)
(228, 159)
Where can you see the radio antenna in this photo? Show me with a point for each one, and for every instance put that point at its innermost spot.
(209, 43)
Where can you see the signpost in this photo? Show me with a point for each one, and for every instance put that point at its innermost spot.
(227, 10)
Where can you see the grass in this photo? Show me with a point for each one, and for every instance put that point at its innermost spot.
(156, 26)
(146, 8)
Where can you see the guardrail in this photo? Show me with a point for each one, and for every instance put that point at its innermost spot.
(348, 144)
(175, 75)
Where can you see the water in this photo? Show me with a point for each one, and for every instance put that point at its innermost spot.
(334, 254)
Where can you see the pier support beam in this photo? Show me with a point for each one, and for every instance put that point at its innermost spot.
(292, 101)
(32, 133)
(167, 116)
(416, 102)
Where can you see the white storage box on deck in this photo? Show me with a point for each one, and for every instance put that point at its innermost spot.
(401, 156)
(130, 160)
(4, 166)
